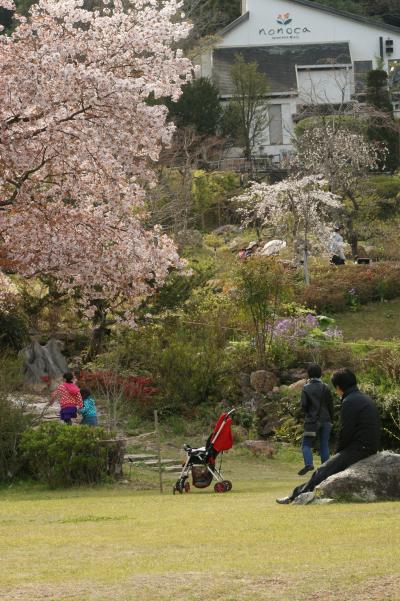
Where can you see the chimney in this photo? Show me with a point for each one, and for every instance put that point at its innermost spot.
(244, 7)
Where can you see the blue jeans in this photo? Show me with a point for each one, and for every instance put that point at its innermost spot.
(307, 444)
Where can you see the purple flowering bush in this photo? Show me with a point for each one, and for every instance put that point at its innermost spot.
(288, 334)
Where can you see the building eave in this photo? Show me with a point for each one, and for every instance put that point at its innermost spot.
(327, 9)
(234, 24)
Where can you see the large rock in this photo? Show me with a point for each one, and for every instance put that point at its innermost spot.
(376, 478)
(44, 363)
(260, 447)
(263, 381)
(297, 385)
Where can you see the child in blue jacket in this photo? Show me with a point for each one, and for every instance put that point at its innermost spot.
(88, 411)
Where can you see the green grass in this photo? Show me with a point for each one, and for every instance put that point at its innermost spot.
(380, 321)
(124, 544)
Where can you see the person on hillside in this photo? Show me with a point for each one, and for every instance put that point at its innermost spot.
(88, 410)
(359, 435)
(336, 247)
(69, 396)
(317, 405)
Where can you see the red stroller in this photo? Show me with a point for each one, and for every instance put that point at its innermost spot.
(202, 461)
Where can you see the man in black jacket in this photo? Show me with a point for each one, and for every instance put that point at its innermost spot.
(317, 405)
(359, 434)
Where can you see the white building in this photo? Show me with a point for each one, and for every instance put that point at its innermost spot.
(310, 53)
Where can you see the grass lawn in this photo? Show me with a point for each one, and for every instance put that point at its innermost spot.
(380, 321)
(125, 544)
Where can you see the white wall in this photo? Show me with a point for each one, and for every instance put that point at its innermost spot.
(321, 27)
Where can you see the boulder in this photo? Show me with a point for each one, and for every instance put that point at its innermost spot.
(297, 385)
(376, 478)
(263, 381)
(260, 447)
(290, 376)
(44, 363)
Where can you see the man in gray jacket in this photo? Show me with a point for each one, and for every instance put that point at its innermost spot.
(317, 405)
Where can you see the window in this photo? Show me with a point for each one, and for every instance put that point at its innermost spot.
(275, 124)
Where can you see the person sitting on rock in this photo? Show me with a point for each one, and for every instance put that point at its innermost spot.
(359, 435)
(317, 405)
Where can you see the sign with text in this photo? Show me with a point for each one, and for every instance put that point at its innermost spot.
(285, 28)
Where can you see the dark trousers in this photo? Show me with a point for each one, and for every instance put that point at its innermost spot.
(334, 465)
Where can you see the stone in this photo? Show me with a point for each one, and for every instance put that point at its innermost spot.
(297, 385)
(260, 447)
(235, 245)
(304, 499)
(263, 381)
(44, 363)
(290, 376)
(243, 379)
(268, 426)
(376, 478)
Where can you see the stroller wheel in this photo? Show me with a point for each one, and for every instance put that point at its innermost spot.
(186, 487)
(228, 485)
(178, 488)
(219, 487)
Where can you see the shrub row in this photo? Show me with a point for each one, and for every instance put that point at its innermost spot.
(338, 288)
(62, 456)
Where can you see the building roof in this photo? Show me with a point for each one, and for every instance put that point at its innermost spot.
(278, 63)
(327, 9)
(347, 15)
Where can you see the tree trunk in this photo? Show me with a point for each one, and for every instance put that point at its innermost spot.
(305, 265)
(99, 334)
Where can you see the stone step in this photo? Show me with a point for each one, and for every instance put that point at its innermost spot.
(139, 458)
(173, 469)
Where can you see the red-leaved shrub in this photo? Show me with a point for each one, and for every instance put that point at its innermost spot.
(134, 388)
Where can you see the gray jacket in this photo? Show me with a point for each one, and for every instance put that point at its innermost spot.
(317, 402)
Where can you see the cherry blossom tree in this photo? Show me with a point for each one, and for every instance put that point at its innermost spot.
(300, 208)
(344, 157)
(79, 134)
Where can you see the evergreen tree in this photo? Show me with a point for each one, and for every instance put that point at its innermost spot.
(198, 107)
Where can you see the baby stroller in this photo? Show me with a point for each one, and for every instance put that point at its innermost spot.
(202, 461)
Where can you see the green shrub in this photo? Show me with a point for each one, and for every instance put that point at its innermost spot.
(61, 456)
(13, 422)
(13, 331)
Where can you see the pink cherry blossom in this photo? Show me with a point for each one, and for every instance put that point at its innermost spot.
(79, 135)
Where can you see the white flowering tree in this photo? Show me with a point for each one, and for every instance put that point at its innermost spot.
(344, 157)
(79, 136)
(299, 208)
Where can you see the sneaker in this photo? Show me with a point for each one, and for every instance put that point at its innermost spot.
(305, 469)
(284, 500)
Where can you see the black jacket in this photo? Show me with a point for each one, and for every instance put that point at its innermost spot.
(316, 402)
(360, 424)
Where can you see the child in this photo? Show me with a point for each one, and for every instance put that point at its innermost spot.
(69, 396)
(88, 411)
